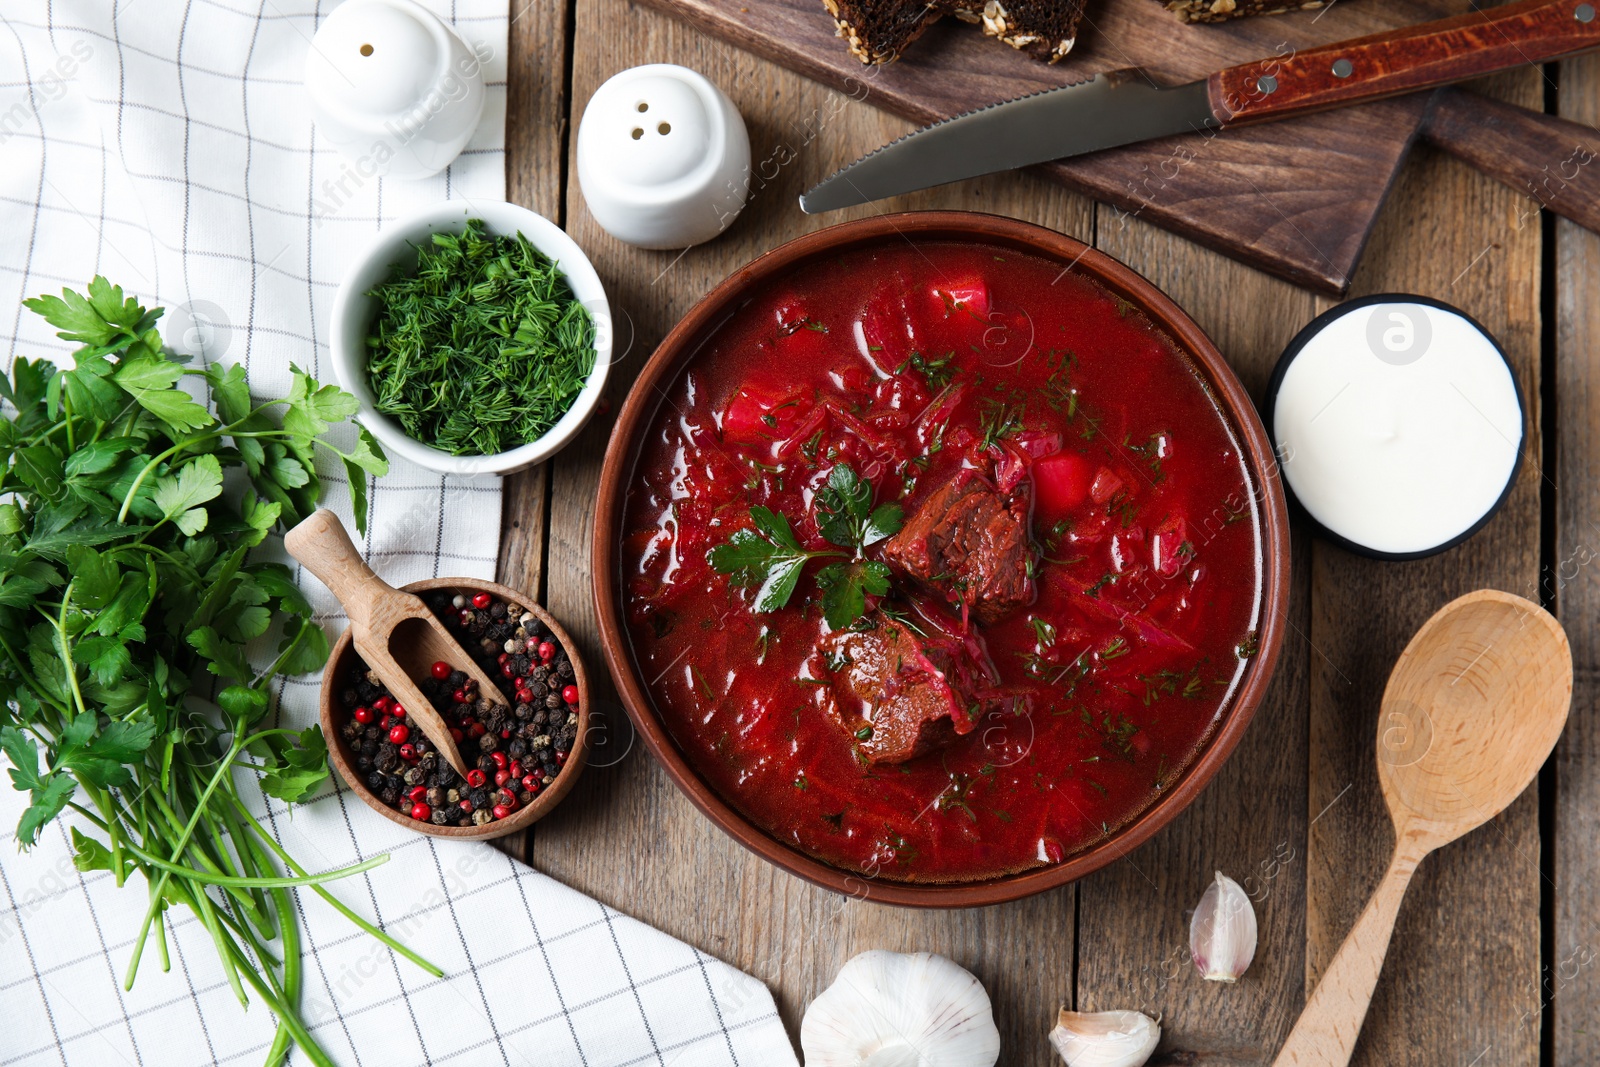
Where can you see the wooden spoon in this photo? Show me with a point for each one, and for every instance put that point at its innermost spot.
(1472, 709)
(395, 632)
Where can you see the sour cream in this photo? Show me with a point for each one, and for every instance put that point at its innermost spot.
(1398, 424)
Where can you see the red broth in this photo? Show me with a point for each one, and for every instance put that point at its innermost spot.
(909, 363)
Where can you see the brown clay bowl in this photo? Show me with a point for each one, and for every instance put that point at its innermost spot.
(680, 347)
(339, 671)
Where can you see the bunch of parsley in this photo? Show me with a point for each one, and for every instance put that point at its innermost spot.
(127, 592)
(482, 347)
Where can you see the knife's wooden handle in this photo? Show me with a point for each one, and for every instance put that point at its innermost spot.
(1405, 60)
(1545, 158)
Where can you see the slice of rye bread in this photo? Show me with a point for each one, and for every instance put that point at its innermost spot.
(1222, 10)
(1045, 29)
(877, 30)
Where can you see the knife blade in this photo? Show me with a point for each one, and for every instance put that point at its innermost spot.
(1125, 107)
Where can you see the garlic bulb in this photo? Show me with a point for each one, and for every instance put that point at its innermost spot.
(1105, 1038)
(1222, 934)
(894, 1009)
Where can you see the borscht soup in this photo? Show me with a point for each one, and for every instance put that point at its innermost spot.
(940, 562)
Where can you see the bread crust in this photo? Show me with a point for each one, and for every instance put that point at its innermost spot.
(877, 31)
(1223, 10)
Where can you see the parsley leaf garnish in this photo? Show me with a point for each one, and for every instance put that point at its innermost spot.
(845, 587)
(769, 557)
(848, 518)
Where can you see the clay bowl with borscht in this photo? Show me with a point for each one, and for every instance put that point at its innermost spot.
(939, 558)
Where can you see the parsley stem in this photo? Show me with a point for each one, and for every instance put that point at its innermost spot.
(283, 657)
(177, 853)
(288, 861)
(161, 932)
(103, 802)
(287, 1015)
(60, 623)
(240, 882)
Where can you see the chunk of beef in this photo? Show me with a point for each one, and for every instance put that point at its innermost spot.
(968, 544)
(899, 695)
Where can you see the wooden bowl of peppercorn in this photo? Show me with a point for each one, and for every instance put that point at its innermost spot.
(545, 736)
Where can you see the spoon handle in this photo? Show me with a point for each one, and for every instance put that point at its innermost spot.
(1326, 1034)
(322, 544)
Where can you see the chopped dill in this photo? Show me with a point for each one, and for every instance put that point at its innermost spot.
(999, 421)
(1116, 648)
(1154, 450)
(481, 347)
(936, 372)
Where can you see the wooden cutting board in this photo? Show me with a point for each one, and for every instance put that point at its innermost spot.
(1296, 198)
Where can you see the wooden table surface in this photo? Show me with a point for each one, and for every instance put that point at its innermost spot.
(1496, 957)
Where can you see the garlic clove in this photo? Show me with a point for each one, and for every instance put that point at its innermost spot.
(1105, 1038)
(895, 1009)
(1222, 934)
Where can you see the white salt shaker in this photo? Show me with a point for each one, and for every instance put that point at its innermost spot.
(397, 91)
(663, 157)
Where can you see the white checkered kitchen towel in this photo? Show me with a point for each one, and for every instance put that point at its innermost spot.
(169, 146)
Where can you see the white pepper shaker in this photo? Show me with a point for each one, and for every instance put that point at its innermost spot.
(663, 157)
(394, 89)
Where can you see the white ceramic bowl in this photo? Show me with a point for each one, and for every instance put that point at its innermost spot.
(353, 312)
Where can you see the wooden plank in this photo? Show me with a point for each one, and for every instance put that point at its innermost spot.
(1571, 980)
(536, 110)
(1463, 965)
(626, 836)
(1298, 200)
(1251, 821)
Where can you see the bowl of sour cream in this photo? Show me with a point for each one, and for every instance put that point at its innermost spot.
(1398, 423)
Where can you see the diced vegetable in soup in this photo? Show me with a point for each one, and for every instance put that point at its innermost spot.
(942, 562)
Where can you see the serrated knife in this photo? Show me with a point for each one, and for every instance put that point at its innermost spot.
(1125, 107)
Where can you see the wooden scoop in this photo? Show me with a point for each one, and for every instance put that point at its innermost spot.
(1472, 709)
(395, 633)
